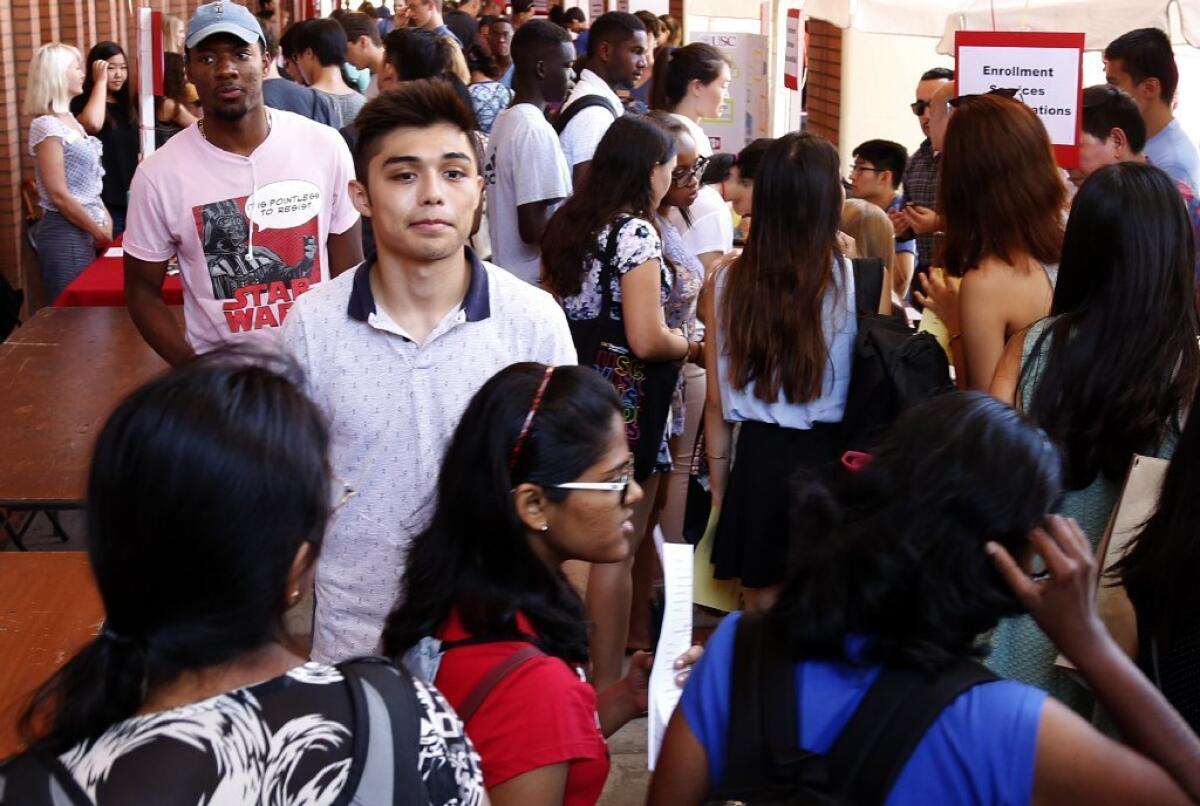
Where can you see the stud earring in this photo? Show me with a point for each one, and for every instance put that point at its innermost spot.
(545, 528)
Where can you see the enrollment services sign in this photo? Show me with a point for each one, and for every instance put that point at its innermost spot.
(1046, 69)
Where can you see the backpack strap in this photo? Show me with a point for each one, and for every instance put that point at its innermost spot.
(387, 734)
(868, 284)
(608, 260)
(763, 716)
(586, 102)
(495, 675)
(891, 720)
(36, 778)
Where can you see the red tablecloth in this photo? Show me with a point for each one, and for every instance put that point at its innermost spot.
(102, 284)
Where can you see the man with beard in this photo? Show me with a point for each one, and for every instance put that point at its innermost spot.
(253, 202)
(394, 349)
(616, 59)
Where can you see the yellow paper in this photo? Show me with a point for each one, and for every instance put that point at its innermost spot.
(719, 594)
(932, 324)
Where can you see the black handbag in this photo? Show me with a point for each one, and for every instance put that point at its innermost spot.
(644, 387)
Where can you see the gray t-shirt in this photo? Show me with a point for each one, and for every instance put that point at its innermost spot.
(280, 93)
(349, 104)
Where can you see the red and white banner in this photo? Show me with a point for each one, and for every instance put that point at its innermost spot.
(1046, 70)
(793, 54)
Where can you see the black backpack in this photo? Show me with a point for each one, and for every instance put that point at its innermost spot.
(764, 766)
(586, 102)
(893, 367)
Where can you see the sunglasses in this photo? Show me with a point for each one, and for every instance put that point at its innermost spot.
(682, 177)
(1003, 92)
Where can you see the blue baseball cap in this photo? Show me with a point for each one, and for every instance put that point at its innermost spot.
(223, 17)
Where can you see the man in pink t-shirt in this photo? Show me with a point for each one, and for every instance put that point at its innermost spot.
(253, 202)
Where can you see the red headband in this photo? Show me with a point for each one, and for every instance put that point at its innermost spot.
(537, 401)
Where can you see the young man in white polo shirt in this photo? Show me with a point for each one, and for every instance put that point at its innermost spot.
(616, 59)
(394, 349)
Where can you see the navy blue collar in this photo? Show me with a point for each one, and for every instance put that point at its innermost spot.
(476, 304)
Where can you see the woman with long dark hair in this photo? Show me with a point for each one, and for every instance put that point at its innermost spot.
(1002, 201)
(207, 499)
(900, 565)
(687, 404)
(537, 473)
(1111, 371)
(1159, 573)
(107, 108)
(781, 327)
(602, 257)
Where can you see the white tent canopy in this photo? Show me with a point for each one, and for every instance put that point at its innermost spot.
(1101, 20)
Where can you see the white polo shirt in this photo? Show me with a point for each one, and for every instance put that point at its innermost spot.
(392, 405)
(585, 131)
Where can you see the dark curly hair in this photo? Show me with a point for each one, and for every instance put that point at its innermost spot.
(895, 551)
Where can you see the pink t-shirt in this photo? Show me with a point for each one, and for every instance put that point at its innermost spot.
(249, 232)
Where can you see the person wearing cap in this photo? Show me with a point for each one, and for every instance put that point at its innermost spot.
(253, 202)
(521, 12)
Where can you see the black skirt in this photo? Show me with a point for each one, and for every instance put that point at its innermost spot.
(753, 536)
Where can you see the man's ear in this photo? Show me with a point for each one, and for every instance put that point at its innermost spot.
(1120, 142)
(360, 197)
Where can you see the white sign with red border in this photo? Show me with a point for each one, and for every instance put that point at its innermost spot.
(792, 57)
(1045, 69)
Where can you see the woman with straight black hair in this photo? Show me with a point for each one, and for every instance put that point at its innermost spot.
(780, 333)
(1111, 371)
(1159, 572)
(207, 499)
(602, 256)
(900, 564)
(538, 472)
(107, 108)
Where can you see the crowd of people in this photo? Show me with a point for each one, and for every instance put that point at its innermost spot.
(473, 311)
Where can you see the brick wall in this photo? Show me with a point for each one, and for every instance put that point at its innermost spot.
(824, 79)
(24, 26)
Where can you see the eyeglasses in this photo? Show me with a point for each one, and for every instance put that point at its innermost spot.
(857, 168)
(682, 177)
(918, 107)
(1003, 92)
(621, 485)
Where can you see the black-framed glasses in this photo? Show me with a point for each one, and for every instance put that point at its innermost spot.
(918, 107)
(1003, 92)
(858, 168)
(682, 177)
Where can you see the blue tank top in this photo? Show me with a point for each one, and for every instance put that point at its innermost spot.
(981, 750)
